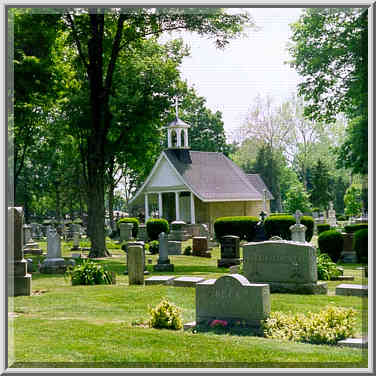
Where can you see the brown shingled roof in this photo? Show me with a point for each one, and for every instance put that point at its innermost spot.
(215, 177)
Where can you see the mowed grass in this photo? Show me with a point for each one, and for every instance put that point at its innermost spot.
(98, 326)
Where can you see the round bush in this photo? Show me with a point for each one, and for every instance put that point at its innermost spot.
(153, 247)
(279, 225)
(361, 244)
(308, 221)
(355, 227)
(321, 227)
(244, 227)
(155, 226)
(135, 223)
(342, 217)
(331, 242)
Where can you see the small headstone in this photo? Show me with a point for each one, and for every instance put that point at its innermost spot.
(352, 290)
(230, 253)
(174, 247)
(177, 232)
(19, 282)
(348, 254)
(163, 260)
(159, 280)
(187, 281)
(136, 265)
(298, 230)
(142, 233)
(232, 298)
(54, 263)
(142, 244)
(27, 234)
(286, 266)
(200, 246)
(125, 231)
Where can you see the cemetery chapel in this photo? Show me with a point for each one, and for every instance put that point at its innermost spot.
(198, 187)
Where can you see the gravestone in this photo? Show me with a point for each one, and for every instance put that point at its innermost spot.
(232, 298)
(348, 254)
(230, 254)
(200, 246)
(27, 234)
(30, 247)
(187, 281)
(177, 232)
(131, 244)
(332, 216)
(19, 280)
(174, 247)
(136, 265)
(125, 231)
(54, 263)
(142, 233)
(298, 230)
(159, 280)
(352, 290)
(76, 241)
(285, 265)
(163, 260)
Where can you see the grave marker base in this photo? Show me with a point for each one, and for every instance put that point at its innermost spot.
(227, 262)
(22, 285)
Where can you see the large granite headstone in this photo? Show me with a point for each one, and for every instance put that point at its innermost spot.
(286, 266)
(54, 263)
(136, 265)
(19, 281)
(230, 253)
(232, 298)
(163, 260)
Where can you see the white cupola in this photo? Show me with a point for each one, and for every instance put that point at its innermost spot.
(177, 133)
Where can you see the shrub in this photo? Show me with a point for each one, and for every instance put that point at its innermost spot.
(331, 242)
(135, 223)
(155, 226)
(188, 250)
(89, 273)
(342, 217)
(78, 221)
(165, 316)
(328, 326)
(275, 214)
(355, 227)
(244, 227)
(308, 221)
(279, 225)
(326, 268)
(153, 247)
(361, 244)
(321, 227)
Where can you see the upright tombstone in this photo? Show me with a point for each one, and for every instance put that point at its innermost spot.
(163, 260)
(285, 265)
(131, 244)
(136, 265)
(54, 263)
(174, 247)
(29, 245)
(177, 232)
(76, 241)
(142, 233)
(332, 216)
(232, 298)
(298, 230)
(19, 280)
(125, 231)
(27, 234)
(230, 253)
(200, 246)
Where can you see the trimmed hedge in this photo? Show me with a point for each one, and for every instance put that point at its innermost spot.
(309, 222)
(342, 217)
(135, 223)
(361, 244)
(321, 227)
(279, 225)
(355, 227)
(244, 227)
(155, 226)
(277, 214)
(331, 242)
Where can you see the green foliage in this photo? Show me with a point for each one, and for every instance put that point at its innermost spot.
(153, 247)
(297, 198)
(355, 227)
(328, 326)
(244, 227)
(78, 221)
(309, 223)
(320, 193)
(326, 268)
(89, 273)
(277, 214)
(361, 244)
(188, 250)
(135, 223)
(321, 227)
(279, 226)
(155, 226)
(342, 217)
(331, 242)
(165, 316)
(353, 200)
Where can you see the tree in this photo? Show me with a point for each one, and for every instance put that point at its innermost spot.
(321, 189)
(101, 37)
(353, 204)
(329, 49)
(297, 198)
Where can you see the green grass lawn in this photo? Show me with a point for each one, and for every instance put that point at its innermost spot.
(96, 326)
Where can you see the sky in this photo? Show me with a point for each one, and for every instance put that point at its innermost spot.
(230, 79)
